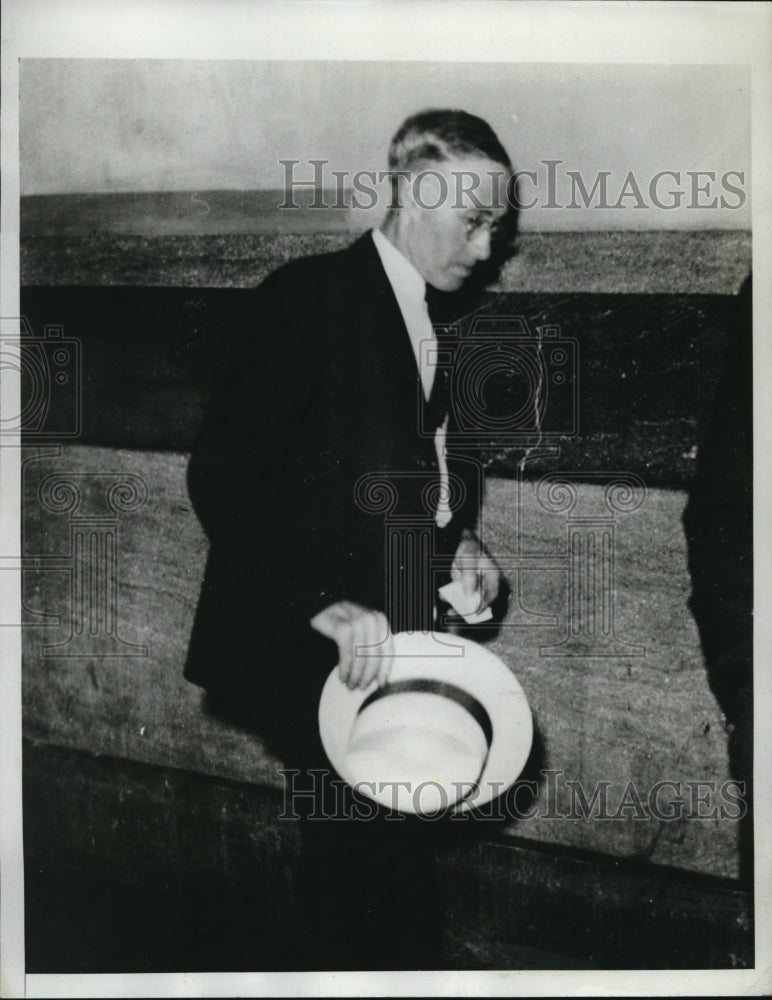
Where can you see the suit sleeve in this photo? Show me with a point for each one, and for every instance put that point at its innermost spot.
(255, 475)
(255, 486)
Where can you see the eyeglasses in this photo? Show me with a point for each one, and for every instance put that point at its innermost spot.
(475, 224)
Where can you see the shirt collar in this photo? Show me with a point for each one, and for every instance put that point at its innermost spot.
(402, 275)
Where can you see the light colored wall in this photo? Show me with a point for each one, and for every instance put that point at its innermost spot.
(149, 125)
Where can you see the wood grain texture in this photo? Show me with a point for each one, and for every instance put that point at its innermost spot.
(616, 720)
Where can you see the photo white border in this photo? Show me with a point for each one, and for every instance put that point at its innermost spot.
(474, 30)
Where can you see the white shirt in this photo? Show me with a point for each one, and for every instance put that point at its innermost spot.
(410, 291)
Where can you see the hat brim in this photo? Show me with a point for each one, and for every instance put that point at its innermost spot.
(451, 660)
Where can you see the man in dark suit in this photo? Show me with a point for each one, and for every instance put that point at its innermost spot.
(329, 401)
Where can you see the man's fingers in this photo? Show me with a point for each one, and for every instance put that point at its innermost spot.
(365, 648)
(343, 637)
(490, 585)
(335, 623)
(387, 658)
(476, 570)
(368, 651)
(359, 640)
(376, 649)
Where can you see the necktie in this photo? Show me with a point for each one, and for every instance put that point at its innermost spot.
(427, 360)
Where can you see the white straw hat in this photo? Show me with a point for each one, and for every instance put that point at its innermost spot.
(451, 727)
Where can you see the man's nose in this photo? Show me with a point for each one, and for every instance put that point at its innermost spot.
(481, 244)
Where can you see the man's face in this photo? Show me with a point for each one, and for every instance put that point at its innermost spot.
(453, 211)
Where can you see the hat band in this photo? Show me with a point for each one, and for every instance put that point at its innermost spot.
(445, 690)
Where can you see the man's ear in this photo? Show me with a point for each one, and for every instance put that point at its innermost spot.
(425, 189)
(399, 189)
(406, 196)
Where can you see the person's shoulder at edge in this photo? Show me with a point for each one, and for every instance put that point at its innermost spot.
(290, 302)
(297, 288)
(318, 266)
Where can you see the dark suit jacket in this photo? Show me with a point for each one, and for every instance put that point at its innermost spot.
(319, 388)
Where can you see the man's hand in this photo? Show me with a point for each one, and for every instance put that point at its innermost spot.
(354, 627)
(475, 569)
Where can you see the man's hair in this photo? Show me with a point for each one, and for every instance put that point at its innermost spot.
(441, 135)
